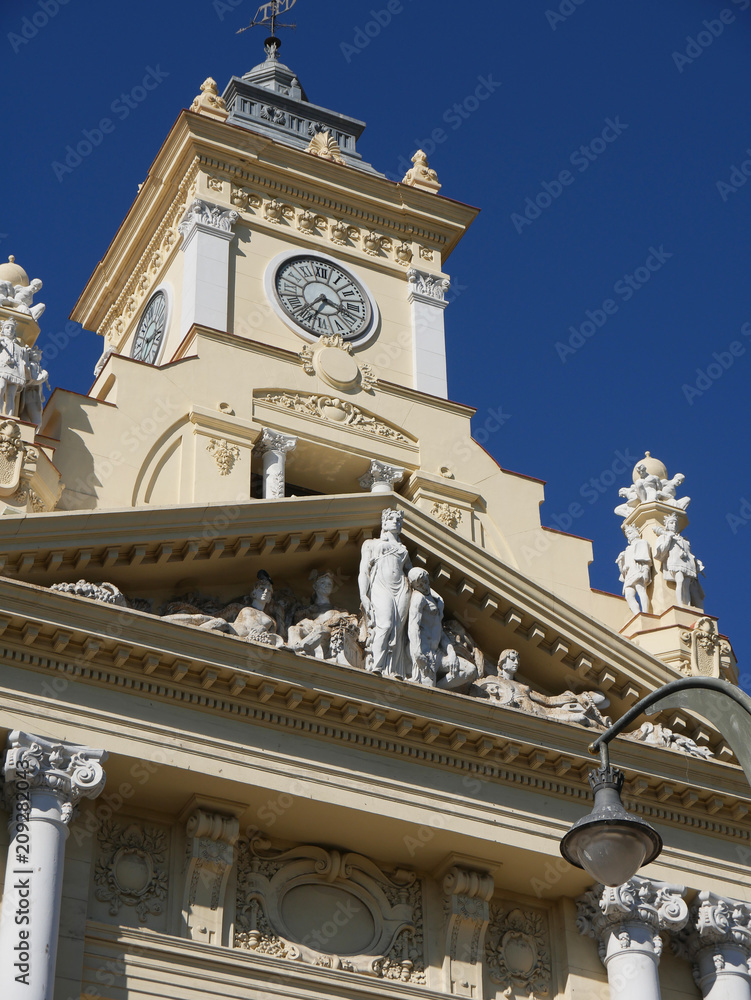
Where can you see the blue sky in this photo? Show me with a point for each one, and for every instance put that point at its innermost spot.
(600, 303)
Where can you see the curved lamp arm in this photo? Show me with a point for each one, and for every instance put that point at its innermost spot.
(719, 702)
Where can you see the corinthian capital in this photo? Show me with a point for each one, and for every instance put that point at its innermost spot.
(381, 477)
(718, 937)
(603, 911)
(72, 772)
(277, 442)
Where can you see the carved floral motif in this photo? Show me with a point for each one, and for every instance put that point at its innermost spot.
(332, 408)
(226, 454)
(276, 211)
(131, 869)
(707, 648)
(430, 285)
(309, 222)
(208, 215)
(244, 200)
(342, 234)
(390, 942)
(517, 950)
(450, 516)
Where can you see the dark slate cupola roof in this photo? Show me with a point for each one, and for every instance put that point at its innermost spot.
(270, 100)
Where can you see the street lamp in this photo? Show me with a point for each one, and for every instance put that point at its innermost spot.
(612, 844)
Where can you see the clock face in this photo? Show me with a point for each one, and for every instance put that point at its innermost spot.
(150, 330)
(322, 297)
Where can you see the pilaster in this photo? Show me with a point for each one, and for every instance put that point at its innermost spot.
(427, 297)
(207, 234)
(626, 922)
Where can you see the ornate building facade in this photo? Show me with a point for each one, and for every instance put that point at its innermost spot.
(284, 717)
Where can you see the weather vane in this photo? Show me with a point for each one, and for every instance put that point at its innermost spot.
(267, 14)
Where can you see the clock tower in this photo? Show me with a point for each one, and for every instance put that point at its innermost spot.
(220, 781)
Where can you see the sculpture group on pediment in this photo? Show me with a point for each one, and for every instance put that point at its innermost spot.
(504, 689)
(398, 632)
(247, 618)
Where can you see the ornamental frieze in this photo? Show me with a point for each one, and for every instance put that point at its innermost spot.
(331, 408)
(332, 909)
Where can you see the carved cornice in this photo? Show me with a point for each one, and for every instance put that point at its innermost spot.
(465, 744)
(71, 771)
(153, 261)
(336, 210)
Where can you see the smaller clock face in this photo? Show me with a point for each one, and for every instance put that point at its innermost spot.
(322, 297)
(150, 330)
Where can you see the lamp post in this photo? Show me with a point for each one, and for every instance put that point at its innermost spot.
(612, 844)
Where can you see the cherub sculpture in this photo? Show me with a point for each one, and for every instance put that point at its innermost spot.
(505, 690)
(649, 488)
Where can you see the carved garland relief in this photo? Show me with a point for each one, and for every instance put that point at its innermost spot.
(331, 909)
(333, 409)
(335, 230)
(517, 951)
(131, 870)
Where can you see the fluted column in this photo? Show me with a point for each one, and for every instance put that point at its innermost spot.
(274, 447)
(717, 940)
(381, 478)
(626, 922)
(44, 781)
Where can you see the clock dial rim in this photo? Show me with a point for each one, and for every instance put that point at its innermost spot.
(361, 335)
(157, 340)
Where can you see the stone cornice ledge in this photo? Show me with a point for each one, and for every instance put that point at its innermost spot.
(211, 673)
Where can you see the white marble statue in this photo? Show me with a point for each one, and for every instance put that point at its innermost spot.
(673, 552)
(249, 621)
(106, 592)
(661, 736)
(32, 396)
(385, 595)
(505, 690)
(21, 297)
(436, 659)
(12, 368)
(316, 629)
(650, 488)
(635, 564)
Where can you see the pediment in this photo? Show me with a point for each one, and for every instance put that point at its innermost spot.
(218, 550)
